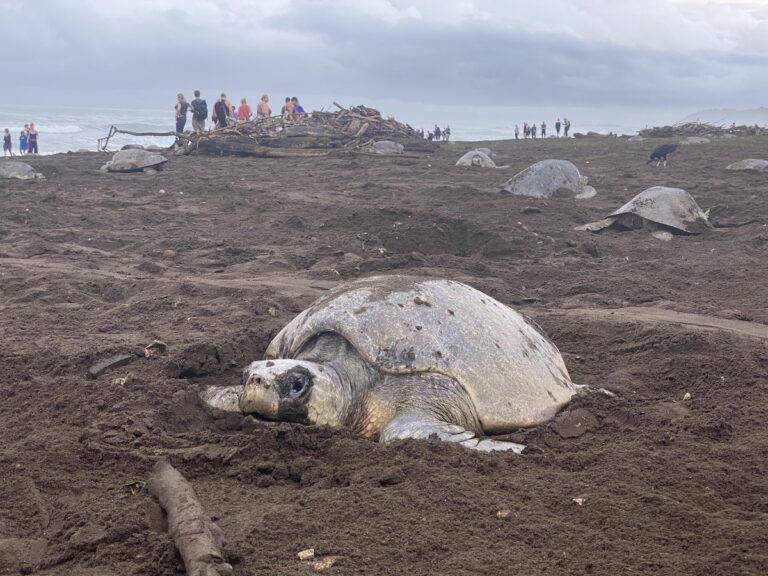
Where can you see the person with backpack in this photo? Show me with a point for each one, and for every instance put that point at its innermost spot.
(221, 111)
(199, 113)
(181, 112)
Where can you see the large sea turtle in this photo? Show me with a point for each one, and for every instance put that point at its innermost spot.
(750, 165)
(387, 147)
(402, 357)
(134, 160)
(664, 211)
(548, 178)
(477, 158)
(18, 170)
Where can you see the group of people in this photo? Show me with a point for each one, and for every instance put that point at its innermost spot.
(27, 141)
(530, 130)
(225, 113)
(439, 134)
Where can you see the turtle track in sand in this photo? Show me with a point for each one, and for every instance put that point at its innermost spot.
(662, 315)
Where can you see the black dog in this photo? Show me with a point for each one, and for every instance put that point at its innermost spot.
(660, 153)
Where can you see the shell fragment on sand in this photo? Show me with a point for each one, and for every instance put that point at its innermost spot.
(112, 362)
(18, 171)
(548, 178)
(750, 164)
(476, 158)
(660, 209)
(134, 160)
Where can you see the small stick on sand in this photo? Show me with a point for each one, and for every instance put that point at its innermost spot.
(198, 539)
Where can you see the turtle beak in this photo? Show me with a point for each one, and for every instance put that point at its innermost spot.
(260, 397)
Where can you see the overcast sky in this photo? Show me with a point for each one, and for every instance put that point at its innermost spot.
(512, 52)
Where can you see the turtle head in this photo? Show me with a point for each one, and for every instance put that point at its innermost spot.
(293, 391)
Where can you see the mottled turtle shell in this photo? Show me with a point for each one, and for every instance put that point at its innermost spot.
(515, 376)
(476, 158)
(134, 160)
(670, 207)
(18, 170)
(545, 179)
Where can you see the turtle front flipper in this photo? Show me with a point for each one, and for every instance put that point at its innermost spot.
(225, 398)
(421, 425)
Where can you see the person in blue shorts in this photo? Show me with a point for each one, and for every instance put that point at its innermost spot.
(24, 140)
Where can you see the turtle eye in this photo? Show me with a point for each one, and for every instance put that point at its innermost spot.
(299, 384)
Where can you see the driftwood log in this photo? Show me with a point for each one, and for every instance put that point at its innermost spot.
(701, 129)
(346, 129)
(199, 540)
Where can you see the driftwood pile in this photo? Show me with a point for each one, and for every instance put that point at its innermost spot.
(701, 129)
(354, 129)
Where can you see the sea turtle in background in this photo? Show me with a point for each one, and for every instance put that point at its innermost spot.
(19, 171)
(548, 178)
(750, 164)
(387, 147)
(694, 140)
(664, 211)
(134, 160)
(661, 152)
(476, 158)
(394, 357)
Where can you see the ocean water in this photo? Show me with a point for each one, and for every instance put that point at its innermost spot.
(65, 129)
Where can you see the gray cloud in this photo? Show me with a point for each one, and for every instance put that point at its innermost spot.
(576, 53)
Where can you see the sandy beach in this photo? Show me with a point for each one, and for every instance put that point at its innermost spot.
(666, 476)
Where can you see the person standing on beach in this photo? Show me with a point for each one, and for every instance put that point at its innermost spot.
(566, 126)
(517, 132)
(543, 129)
(557, 127)
(447, 133)
(24, 140)
(244, 113)
(199, 112)
(298, 108)
(221, 111)
(533, 130)
(33, 139)
(526, 131)
(288, 107)
(7, 144)
(262, 109)
(438, 133)
(181, 112)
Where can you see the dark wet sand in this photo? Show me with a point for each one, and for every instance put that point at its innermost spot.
(214, 255)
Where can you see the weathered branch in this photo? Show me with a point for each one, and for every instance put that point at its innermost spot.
(199, 540)
(350, 128)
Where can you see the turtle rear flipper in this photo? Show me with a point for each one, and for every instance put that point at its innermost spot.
(419, 424)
